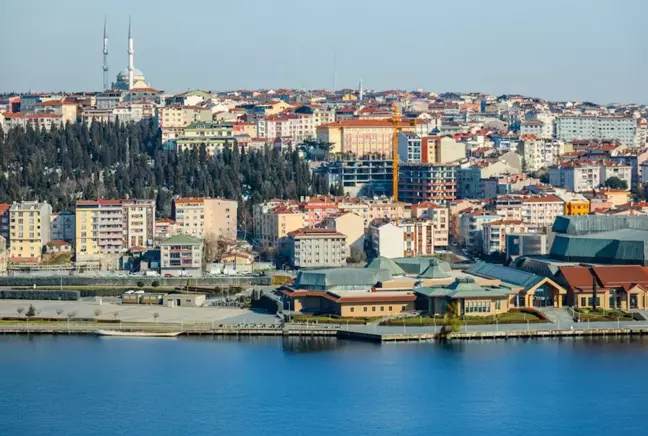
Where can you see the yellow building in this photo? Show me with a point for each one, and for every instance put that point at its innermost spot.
(351, 225)
(99, 229)
(577, 207)
(273, 221)
(273, 107)
(29, 230)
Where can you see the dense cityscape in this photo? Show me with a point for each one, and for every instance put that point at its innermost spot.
(326, 218)
(464, 203)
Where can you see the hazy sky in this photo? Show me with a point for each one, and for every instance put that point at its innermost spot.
(555, 49)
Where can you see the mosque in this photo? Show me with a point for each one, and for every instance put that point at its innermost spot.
(130, 77)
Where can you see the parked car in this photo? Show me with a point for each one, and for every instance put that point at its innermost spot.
(168, 275)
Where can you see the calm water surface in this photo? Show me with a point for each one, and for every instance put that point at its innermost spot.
(115, 386)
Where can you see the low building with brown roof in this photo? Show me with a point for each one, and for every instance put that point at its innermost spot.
(617, 287)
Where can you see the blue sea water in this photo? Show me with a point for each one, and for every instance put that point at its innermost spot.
(115, 386)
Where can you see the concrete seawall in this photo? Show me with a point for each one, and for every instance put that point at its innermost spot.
(76, 329)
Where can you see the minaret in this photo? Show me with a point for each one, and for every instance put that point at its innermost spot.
(131, 57)
(105, 57)
(361, 92)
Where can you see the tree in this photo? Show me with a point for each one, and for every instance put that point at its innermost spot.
(59, 311)
(31, 312)
(357, 255)
(97, 312)
(451, 321)
(616, 183)
(140, 284)
(71, 315)
(155, 283)
(155, 317)
(20, 311)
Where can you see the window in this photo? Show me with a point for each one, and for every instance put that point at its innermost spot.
(365, 308)
(583, 301)
(390, 308)
(373, 308)
(382, 308)
(352, 309)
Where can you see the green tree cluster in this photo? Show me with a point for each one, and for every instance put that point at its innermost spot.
(118, 160)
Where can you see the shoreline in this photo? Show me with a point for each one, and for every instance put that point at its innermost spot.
(341, 333)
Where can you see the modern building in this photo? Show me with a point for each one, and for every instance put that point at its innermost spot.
(29, 230)
(174, 118)
(526, 244)
(575, 203)
(440, 216)
(99, 231)
(273, 221)
(601, 239)
(542, 210)
(413, 148)
(471, 226)
(206, 218)
(628, 130)
(427, 183)
(213, 136)
(386, 239)
(317, 248)
(538, 154)
(181, 255)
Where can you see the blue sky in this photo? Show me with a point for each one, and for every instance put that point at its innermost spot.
(555, 49)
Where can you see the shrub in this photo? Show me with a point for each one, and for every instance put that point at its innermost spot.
(31, 312)
(19, 294)
(140, 284)
(155, 283)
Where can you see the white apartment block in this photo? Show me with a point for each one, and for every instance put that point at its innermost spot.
(581, 176)
(317, 248)
(139, 220)
(628, 130)
(387, 240)
(542, 210)
(539, 154)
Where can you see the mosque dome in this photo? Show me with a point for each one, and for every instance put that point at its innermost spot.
(122, 79)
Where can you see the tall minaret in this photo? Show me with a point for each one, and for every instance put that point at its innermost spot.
(131, 57)
(105, 57)
(361, 92)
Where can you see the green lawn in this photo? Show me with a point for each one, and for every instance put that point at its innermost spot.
(332, 319)
(505, 318)
(600, 315)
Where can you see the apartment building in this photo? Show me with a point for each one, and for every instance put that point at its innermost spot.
(43, 121)
(418, 237)
(99, 229)
(317, 208)
(63, 226)
(350, 225)
(413, 148)
(174, 118)
(538, 154)
(206, 218)
(29, 230)
(386, 239)
(213, 136)
(440, 217)
(537, 128)
(181, 255)
(427, 182)
(164, 229)
(588, 175)
(317, 248)
(628, 130)
(66, 108)
(139, 223)
(542, 210)
(362, 177)
(4, 221)
(495, 232)
(471, 226)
